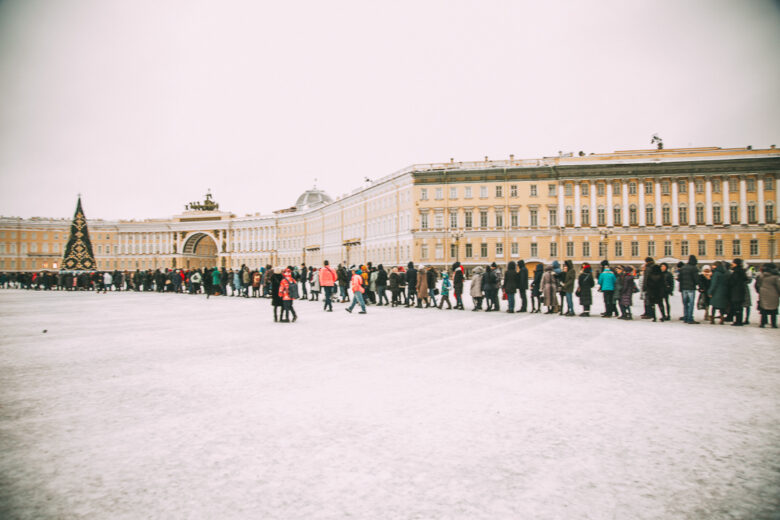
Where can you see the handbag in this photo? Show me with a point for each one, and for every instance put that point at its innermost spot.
(435, 291)
(504, 296)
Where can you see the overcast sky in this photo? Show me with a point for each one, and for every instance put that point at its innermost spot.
(143, 105)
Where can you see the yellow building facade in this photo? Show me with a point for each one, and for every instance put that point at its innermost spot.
(710, 202)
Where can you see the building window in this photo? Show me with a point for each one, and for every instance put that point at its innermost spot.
(424, 251)
(736, 248)
(615, 188)
(569, 216)
(648, 187)
(499, 249)
(601, 216)
(513, 190)
(600, 189)
(534, 218)
(453, 220)
(665, 188)
(684, 251)
(769, 212)
(667, 248)
(424, 194)
(634, 248)
(513, 218)
(483, 192)
(715, 185)
(586, 249)
(553, 217)
(649, 215)
(683, 186)
(569, 249)
(632, 188)
(438, 220)
(568, 189)
(734, 213)
(700, 214)
(499, 191)
(424, 221)
(752, 213)
(483, 250)
(699, 186)
(617, 216)
(602, 249)
(618, 248)
(469, 250)
(515, 249)
(683, 215)
(533, 190)
(534, 249)
(717, 218)
(702, 248)
(453, 193)
(769, 184)
(719, 247)
(551, 190)
(468, 192)
(499, 219)
(453, 250)
(483, 219)
(651, 248)
(632, 218)
(585, 216)
(553, 249)
(585, 189)
(439, 193)
(753, 247)
(469, 217)
(751, 184)
(439, 252)
(733, 184)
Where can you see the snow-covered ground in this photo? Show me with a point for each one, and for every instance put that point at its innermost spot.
(137, 405)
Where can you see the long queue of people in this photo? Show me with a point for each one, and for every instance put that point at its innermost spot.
(722, 291)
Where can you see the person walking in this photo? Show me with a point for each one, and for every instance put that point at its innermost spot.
(768, 287)
(422, 287)
(607, 288)
(522, 285)
(357, 292)
(432, 277)
(585, 284)
(445, 291)
(344, 280)
(476, 288)
(328, 278)
(381, 285)
(689, 281)
(510, 286)
(288, 290)
(457, 279)
(411, 283)
(570, 276)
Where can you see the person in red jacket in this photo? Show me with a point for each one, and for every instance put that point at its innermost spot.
(287, 298)
(328, 279)
(357, 292)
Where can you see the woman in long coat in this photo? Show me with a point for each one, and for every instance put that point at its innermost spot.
(569, 277)
(585, 286)
(768, 287)
(276, 299)
(457, 284)
(536, 289)
(718, 292)
(422, 287)
(549, 289)
(627, 290)
(655, 290)
(476, 288)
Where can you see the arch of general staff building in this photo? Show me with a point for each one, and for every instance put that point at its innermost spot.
(712, 202)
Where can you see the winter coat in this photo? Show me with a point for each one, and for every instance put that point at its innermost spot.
(372, 281)
(432, 276)
(394, 281)
(549, 287)
(668, 283)
(536, 286)
(216, 278)
(768, 287)
(655, 287)
(458, 280)
(627, 289)
(381, 277)
(490, 280)
(510, 280)
(276, 281)
(422, 284)
(411, 277)
(688, 277)
(718, 290)
(357, 283)
(195, 278)
(736, 285)
(607, 280)
(343, 276)
(522, 276)
(569, 277)
(328, 276)
(245, 277)
(284, 287)
(586, 284)
(445, 285)
(476, 283)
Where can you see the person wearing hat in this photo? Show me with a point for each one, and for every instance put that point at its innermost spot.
(287, 292)
(607, 288)
(277, 301)
(357, 292)
(768, 287)
(736, 286)
(585, 284)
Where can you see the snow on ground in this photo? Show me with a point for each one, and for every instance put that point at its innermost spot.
(137, 405)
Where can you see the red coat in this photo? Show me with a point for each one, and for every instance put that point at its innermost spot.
(357, 283)
(328, 276)
(284, 289)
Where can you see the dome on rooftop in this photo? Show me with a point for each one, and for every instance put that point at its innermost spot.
(311, 199)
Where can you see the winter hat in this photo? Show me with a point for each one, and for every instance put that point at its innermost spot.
(445, 275)
(604, 263)
(358, 272)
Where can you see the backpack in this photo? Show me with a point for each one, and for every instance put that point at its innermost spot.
(292, 290)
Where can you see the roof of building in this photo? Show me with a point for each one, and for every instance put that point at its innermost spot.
(311, 199)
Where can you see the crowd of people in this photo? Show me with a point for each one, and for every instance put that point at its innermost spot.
(722, 291)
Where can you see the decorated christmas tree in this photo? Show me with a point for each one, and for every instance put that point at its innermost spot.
(78, 252)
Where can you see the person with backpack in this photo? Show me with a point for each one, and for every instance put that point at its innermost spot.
(357, 292)
(288, 290)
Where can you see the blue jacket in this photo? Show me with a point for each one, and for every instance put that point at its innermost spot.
(607, 280)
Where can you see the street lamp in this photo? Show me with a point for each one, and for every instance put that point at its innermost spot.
(772, 228)
(456, 236)
(605, 235)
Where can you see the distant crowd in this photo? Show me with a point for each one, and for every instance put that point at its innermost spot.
(722, 291)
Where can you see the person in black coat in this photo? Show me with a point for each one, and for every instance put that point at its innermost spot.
(736, 290)
(490, 288)
(536, 289)
(668, 289)
(432, 277)
(276, 300)
(510, 285)
(654, 291)
(411, 283)
(522, 284)
(457, 284)
(585, 284)
(381, 285)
